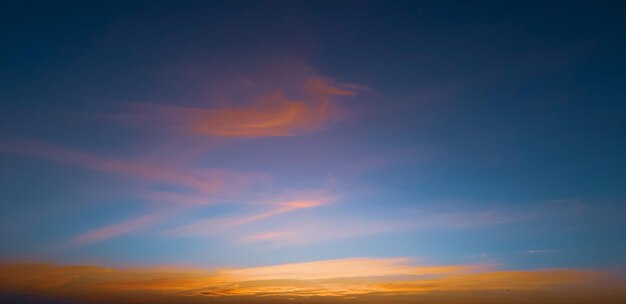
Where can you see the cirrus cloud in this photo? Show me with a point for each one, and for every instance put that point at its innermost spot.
(266, 115)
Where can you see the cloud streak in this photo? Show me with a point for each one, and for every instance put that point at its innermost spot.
(213, 225)
(207, 181)
(323, 229)
(266, 115)
(114, 230)
(202, 186)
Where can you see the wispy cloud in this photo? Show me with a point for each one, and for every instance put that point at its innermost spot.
(319, 230)
(267, 236)
(313, 230)
(340, 268)
(540, 251)
(207, 180)
(201, 186)
(213, 225)
(268, 114)
(114, 230)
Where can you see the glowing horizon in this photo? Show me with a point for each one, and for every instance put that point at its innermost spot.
(355, 279)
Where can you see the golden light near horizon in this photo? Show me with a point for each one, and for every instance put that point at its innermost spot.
(341, 278)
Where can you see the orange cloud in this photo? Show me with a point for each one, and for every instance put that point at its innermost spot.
(269, 114)
(340, 268)
(354, 279)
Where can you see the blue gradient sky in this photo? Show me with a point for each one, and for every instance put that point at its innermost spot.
(241, 134)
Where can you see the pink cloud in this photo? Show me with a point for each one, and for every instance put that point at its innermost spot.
(266, 236)
(313, 230)
(114, 230)
(213, 225)
(204, 186)
(206, 180)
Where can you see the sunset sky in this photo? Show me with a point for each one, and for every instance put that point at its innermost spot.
(312, 152)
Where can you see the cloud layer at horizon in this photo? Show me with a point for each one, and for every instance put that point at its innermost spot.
(355, 279)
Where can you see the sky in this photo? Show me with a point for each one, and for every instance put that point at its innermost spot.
(312, 151)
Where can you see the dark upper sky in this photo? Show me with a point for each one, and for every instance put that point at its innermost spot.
(248, 133)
